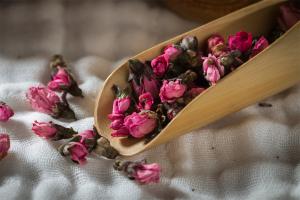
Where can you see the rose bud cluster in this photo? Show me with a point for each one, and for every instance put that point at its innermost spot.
(5, 112)
(160, 88)
(139, 171)
(44, 98)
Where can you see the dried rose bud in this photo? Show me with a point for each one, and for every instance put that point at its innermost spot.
(120, 132)
(43, 100)
(188, 77)
(76, 150)
(195, 91)
(142, 78)
(219, 50)
(103, 148)
(57, 61)
(139, 171)
(46, 101)
(49, 130)
(160, 65)
(173, 111)
(141, 124)
(171, 52)
(5, 112)
(189, 43)
(213, 69)
(213, 41)
(259, 45)
(121, 105)
(289, 15)
(241, 41)
(60, 81)
(61, 77)
(171, 90)
(89, 139)
(145, 101)
(4, 145)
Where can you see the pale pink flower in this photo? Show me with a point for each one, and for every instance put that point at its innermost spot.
(212, 69)
(43, 100)
(171, 90)
(44, 129)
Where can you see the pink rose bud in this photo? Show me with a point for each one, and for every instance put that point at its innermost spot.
(241, 41)
(60, 80)
(4, 145)
(87, 134)
(77, 151)
(212, 68)
(150, 84)
(171, 90)
(289, 16)
(116, 124)
(121, 132)
(46, 130)
(140, 124)
(5, 112)
(139, 171)
(159, 65)
(49, 130)
(259, 45)
(171, 53)
(89, 139)
(214, 40)
(43, 100)
(147, 173)
(121, 105)
(145, 101)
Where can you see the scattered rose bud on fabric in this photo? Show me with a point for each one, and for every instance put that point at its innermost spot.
(60, 81)
(140, 124)
(43, 100)
(145, 101)
(171, 90)
(5, 112)
(160, 65)
(44, 129)
(259, 45)
(213, 69)
(50, 130)
(139, 171)
(89, 139)
(76, 150)
(241, 41)
(171, 52)
(46, 101)
(289, 15)
(4, 145)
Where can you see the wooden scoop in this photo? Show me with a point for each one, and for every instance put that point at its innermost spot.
(271, 71)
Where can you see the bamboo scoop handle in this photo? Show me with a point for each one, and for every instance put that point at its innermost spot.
(274, 70)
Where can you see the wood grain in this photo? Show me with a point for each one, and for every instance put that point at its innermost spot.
(271, 71)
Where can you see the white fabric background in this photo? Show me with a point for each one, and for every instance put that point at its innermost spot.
(252, 154)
